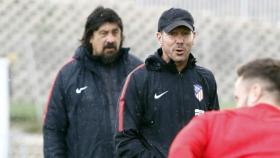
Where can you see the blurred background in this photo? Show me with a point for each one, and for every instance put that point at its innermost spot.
(38, 36)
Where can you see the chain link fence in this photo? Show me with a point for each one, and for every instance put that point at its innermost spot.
(38, 36)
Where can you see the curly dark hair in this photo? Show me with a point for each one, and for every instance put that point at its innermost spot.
(97, 18)
(266, 69)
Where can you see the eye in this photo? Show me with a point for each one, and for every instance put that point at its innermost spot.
(116, 32)
(103, 33)
(172, 33)
(186, 33)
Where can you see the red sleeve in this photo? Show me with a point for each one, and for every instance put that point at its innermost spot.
(191, 140)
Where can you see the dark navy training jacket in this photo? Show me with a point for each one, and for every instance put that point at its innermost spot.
(81, 112)
(157, 101)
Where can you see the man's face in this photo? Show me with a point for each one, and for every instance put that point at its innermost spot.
(241, 92)
(106, 42)
(176, 44)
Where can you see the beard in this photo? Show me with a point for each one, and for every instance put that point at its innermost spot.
(108, 57)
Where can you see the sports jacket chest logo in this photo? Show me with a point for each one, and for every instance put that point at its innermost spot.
(160, 95)
(79, 90)
(198, 92)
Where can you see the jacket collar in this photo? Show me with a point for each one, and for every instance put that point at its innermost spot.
(156, 63)
(261, 111)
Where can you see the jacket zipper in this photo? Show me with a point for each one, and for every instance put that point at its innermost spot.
(181, 91)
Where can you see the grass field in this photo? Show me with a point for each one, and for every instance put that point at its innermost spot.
(24, 116)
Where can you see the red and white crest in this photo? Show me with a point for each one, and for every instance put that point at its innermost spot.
(198, 92)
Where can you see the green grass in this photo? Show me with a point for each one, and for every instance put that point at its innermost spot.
(24, 116)
(227, 105)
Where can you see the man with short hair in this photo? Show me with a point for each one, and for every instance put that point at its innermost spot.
(250, 131)
(160, 97)
(81, 111)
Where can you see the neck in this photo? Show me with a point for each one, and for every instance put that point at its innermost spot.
(271, 100)
(181, 65)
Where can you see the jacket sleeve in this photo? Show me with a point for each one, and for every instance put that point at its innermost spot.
(211, 87)
(214, 101)
(129, 141)
(188, 143)
(212, 91)
(55, 122)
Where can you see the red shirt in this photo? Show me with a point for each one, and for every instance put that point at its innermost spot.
(246, 132)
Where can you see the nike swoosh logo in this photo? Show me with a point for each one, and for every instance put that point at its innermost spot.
(79, 90)
(160, 95)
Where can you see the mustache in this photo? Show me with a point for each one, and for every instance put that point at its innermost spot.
(179, 46)
(110, 45)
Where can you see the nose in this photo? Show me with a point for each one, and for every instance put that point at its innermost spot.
(111, 38)
(180, 39)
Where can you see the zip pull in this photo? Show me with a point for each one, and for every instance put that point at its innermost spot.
(180, 75)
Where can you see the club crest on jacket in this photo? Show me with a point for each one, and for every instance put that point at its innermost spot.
(198, 92)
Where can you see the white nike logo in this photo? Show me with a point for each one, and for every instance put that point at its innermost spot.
(158, 96)
(79, 90)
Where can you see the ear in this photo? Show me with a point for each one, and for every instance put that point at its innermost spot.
(159, 38)
(91, 39)
(255, 94)
(194, 34)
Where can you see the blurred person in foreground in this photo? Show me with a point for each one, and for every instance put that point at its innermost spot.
(160, 97)
(252, 130)
(81, 111)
